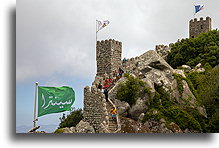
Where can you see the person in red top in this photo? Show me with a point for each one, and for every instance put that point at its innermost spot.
(106, 85)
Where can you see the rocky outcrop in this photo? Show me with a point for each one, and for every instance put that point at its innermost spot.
(122, 107)
(153, 67)
(84, 127)
(156, 73)
(39, 132)
(81, 127)
(198, 68)
(131, 126)
(138, 108)
(154, 70)
(157, 127)
(186, 68)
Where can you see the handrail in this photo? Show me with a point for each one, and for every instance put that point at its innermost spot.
(117, 117)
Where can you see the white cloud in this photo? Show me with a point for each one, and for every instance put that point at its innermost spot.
(59, 36)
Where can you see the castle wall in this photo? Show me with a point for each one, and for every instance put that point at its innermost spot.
(95, 111)
(163, 50)
(196, 27)
(108, 56)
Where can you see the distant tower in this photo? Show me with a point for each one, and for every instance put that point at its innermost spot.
(108, 56)
(197, 27)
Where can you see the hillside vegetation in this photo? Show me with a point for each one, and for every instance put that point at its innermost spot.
(202, 49)
(207, 88)
(72, 119)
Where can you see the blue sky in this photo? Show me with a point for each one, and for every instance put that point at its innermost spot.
(55, 40)
(25, 93)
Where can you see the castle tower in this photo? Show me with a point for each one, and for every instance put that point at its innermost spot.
(108, 56)
(197, 27)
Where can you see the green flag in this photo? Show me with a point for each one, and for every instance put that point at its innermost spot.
(54, 99)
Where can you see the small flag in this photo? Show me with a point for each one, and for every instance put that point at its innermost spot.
(54, 99)
(101, 24)
(198, 8)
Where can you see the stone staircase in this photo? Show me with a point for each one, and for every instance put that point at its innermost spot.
(113, 126)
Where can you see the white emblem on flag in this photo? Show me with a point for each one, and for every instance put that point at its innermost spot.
(102, 24)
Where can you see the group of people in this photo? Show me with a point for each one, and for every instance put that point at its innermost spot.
(118, 74)
(107, 83)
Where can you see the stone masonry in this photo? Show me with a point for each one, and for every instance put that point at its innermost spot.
(95, 111)
(163, 50)
(108, 56)
(150, 66)
(196, 27)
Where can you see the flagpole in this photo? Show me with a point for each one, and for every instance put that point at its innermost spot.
(194, 13)
(96, 32)
(35, 101)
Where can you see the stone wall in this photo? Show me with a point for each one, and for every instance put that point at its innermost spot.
(95, 111)
(196, 27)
(163, 50)
(108, 56)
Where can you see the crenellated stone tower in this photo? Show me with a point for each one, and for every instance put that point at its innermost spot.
(196, 27)
(108, 56)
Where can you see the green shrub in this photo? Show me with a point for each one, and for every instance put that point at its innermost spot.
(179, 79)
(180, 88)
(59, 131)
(172, 112)
(150, 115)
(131, 90)
(208, 90)
(72, 119)
(182, 118)
(202, 49)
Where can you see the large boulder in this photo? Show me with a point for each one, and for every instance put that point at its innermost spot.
(131, 126)
(186, 97)
(186, 68)
(122, 107)
(69, 130)
(84, 127)
(138, 108)
(175, 128)
(157, 127)
(151, 66)
(146, 62)
(198, 68)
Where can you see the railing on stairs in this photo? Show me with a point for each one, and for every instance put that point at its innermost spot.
(110, 101)
(117, 118)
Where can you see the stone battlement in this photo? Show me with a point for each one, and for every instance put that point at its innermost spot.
(109, 41)
(163, 50)
(199, 26)
(201, 19)
(108, 56)
(95, 111)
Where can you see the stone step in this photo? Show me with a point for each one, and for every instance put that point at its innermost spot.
(112, 127)
(112, 130)
(112, 120)
(112, 124)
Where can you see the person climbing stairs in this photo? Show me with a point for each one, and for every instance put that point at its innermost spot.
(113, 126)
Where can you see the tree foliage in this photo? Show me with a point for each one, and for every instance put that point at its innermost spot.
(207, 85)
(72, 119)
(131, 90)
(202, 49)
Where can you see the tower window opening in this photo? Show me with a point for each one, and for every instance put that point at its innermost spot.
(201, 26)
